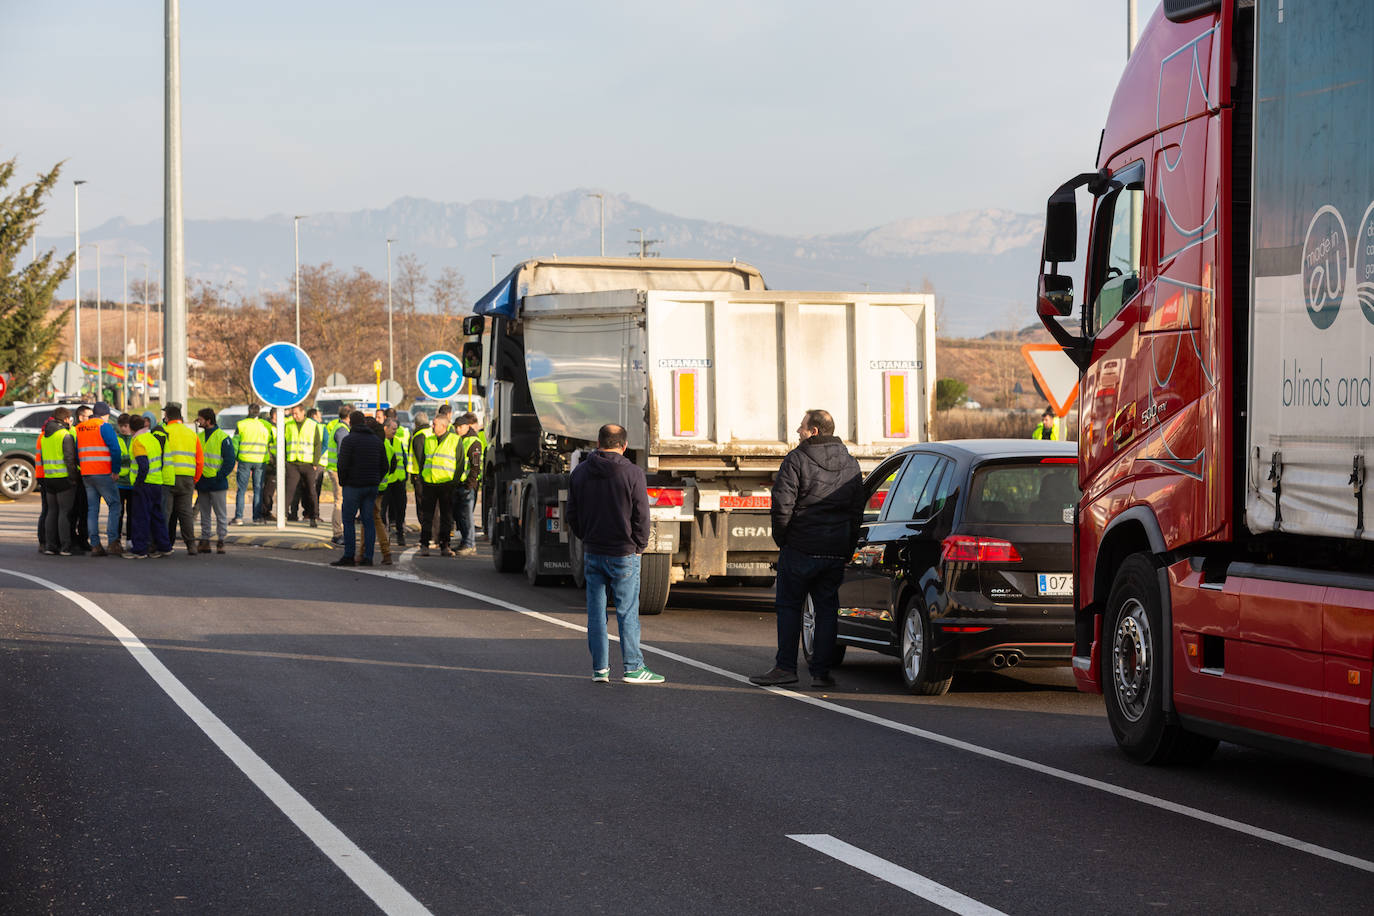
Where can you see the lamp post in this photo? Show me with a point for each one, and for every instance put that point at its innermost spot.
(147, 307)
(602, 199)
(1132, 15)
(390, 341)
(298, 279)
(493, 268)
(124, 338)
(99, 334)
(76, 273)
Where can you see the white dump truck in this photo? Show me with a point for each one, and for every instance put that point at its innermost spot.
(709, 372)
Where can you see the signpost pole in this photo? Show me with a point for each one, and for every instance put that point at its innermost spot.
(281, 469)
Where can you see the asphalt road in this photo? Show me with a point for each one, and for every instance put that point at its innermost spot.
(259, 732)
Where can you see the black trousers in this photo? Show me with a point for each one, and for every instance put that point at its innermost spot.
(394, 508)
(440, 494)
(58, 533)
(303, 471)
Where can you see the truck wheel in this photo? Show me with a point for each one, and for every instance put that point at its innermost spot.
(505, 558)
(577, 560)
(921, 673)
(530, 529)
(1133, 671)
(16, 478)
(655, 570)
(808, 636)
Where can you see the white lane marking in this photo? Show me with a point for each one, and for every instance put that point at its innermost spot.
(892, 873)
(1206, 817)
(389, 896)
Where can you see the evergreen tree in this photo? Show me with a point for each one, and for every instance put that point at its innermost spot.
(29, 334)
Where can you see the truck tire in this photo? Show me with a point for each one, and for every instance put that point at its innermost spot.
(17, 478)
(655, 572)
(505, 558)
(808, 636)
(1132, 671)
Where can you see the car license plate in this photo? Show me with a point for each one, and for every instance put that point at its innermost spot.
(1055, 583)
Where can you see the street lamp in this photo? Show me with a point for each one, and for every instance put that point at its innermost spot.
(99, 335)
(298, 279)
(602, 198)
(493, 268)
(124, 338)
(390, 344)
(147, 307)
(76, 274)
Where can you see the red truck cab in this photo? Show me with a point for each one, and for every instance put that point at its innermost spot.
(1195, 627)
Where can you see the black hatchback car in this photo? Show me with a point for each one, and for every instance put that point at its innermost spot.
(965, 560)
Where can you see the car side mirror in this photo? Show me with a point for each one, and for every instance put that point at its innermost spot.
(474, 325)
(472, 359)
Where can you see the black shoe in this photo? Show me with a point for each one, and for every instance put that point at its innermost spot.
(778, 677)
(343, 561)
(314, 523)
(822, 682)
(292, 518)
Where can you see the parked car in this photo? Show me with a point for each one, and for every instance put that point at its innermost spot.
(20, 425)
(965, 560)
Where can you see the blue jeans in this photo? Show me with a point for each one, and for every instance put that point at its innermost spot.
(247, 472)
(463, 498)
(800, 575)
(355, 500)
(98, 487)
(618, 579)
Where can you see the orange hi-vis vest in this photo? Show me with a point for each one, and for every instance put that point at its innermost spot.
(91, 449)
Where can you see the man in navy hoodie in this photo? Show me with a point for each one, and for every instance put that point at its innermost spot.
(608, 509)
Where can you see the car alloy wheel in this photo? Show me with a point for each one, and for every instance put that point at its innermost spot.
(808, 631)
(913, 646)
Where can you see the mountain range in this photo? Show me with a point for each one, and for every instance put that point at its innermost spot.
(981, 263)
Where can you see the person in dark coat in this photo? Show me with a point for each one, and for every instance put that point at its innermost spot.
(361, 466)
(817, 510)
(608, 509)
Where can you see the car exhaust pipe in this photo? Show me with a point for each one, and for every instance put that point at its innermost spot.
(999, 660)
(1013, 659)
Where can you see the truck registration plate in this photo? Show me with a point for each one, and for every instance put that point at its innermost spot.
(1054, 584)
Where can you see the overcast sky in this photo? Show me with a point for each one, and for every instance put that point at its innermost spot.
(793, 117)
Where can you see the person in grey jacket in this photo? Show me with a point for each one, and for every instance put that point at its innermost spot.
(817, 510)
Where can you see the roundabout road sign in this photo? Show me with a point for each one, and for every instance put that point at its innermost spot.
(282, 374)
(439, 375)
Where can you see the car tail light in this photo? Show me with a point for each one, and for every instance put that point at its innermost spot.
(662, 496)
(964, 548)
(950, 628)
(1059, 459)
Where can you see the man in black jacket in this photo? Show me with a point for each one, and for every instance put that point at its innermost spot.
(361, 466)
(608, 509)
(817, 510)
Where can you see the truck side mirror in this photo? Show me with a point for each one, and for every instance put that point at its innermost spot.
(1055, 297)
(474, 325)
(1061, 226)
(472, 359)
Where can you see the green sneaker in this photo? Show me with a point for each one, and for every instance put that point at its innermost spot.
(642, 675)
(601, 676)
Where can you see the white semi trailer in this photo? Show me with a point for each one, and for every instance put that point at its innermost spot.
(709, 372)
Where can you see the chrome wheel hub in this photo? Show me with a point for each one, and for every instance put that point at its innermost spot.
(913, 646)
(1132, 660)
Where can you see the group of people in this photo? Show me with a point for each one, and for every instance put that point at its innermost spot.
(151, 479)
(155, 477)
(367, 461)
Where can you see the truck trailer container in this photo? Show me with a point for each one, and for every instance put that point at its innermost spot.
(1224, 585)
(709, 372)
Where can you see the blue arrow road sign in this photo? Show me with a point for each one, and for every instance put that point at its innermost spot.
(439, 375)
(282, 374)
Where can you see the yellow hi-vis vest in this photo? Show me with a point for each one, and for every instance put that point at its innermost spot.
(329, 455)
(441, 458)
(300, 440)
(469, 472)
(253, 433)
(213, 448)
(179, 458)
(414, 446)
(145, 443)
(54, 465)
(126, 464)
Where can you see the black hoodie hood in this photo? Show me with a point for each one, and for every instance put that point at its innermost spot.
(602, 464)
